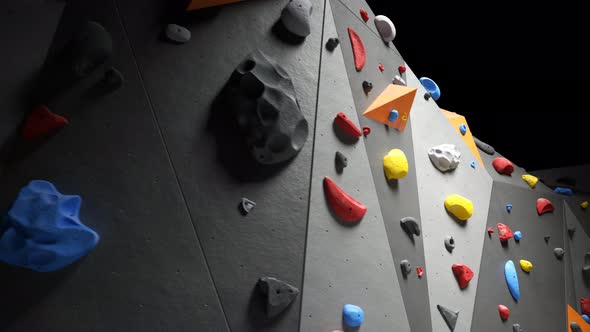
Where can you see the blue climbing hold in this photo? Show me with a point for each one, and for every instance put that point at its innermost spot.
(463, 129)
(431, 87)
(563, 191)
(42, 231)
(517, 236)
(353, 315)
(393, 115)
(586, 318)
(512, 280)
(473, 164)
(508, 207)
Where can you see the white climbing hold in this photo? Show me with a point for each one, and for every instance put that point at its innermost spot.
(445, 157)
(385, 27)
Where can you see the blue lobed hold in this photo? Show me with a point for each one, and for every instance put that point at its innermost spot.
(463, 129)
(42, 231)
(586, 318)
(473, 164)
(353, 315)
(517, 236)
(508, 207)
(431, 87)
(393, 115)
(563, 191)
(512, 280)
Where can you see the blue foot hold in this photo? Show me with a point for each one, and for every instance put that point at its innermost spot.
(586, 318)
(353, 315)
(509, 207)
(517, 236)
(512, 280)
(463, 129)
(393, 115)
(431, 87)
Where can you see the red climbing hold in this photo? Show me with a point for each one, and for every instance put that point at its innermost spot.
(585, 306)
(503, 166)
(504, 311)
(40, 122)
(402, 69)
(364, 15)
(463, 274)
(347, 125)
(358, 50)
(490, 231)
(346, 207)
(381, 68)
(544, 206)
(366, 131)
(504, 232)
(419, 271)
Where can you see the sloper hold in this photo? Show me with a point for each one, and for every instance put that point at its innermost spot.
(449, 243)
(346, 124)
(575, 327)
(430, 86)
(459, 206)
(42, 122)
(586, 268)
(563, 191)
(504, 311)
(449, 316)
(279, 294)
(531, 180)
(394, 97)
(544, 206)
(345, 207)
(177, 33)
(353, 315)
(463, 274)
(504, 232)
(358, 50)
(484, 146)
(247, 205)
(385, 27)
(503, 166)
(512, 280)
(559, 252)
(410, 226)
(585, 306)
(584, 204)
(296, 17)
(395, 164)
(526, 266)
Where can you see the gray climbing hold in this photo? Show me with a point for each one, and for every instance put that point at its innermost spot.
(516, 328)
(341, 161)
(571, 231)
(278, 294)
(385, 27)
(367, 86)
(546, 237)
(398, 80)
(296, 17)
(410, 226)
(449, 243)
(112, 79)
(332, 43)
(445, 157)
(484, 146)
(450, 316)
(91, 47)
(559, 252)
(177, 34)
(406, 267)
(247, 206)
(586, 268)
(575, 327)
(427, 96)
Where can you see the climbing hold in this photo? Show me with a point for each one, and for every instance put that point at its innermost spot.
(449, 243)
(381, 68)
(41, 122)
(586, 268)
(431, 87)
(406, 267)
(364, 15)
(341, 161)
(395, 164)
(503, 166)
(512, 280)
(546, 237)
(111, 81)
(385, 27)
(358, 50)
(571, 231)
(279, 294)
(347, 126)
(449, 316)
(575, 327)
(559, 252)
(366, 131)
(367, 86)
(445, 157)
(504, 232)
(531, 180)
(504, 312)
(263, 102)
(484, 146)
(393, 115)
(410, 226)
(343, 205)
(177, 33)
(397, 80)
(585, 306)
(586, 318)
(526, 266)
(459, 206)
(544, 206)
(516, 328)
(584, 204)
(246, 206)
(394, 97)
(563, 191)
(463, 274)
(490, 231)
(463, 129)
(508, 207)
(402, 69)
(296, 17)
(427, 96)
(353, 315)
(419, 271)
(332, 43)
(91, 47)
(517, 236)
(472, 164)
(42, 230)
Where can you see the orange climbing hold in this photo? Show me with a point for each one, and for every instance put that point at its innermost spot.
(394, 97)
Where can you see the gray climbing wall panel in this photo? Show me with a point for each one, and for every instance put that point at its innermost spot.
(579, 245)
(336, 253)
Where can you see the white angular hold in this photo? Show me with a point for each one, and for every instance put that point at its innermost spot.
(445, 157)
(385, 27)
(296, 17)
(397, 80)
(178, 34)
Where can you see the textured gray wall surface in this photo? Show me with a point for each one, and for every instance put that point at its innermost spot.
(555, 176)
(542, 304)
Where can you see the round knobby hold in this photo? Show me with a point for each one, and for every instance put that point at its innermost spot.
(402, 69)
(531, 180)
(296, 17)
(444, 157)
(586, 318)
(459, 206)
(584, 204)
(472, 164)
(385, 27)
(364, 15)
(526, 266)
(112, 79)
(463, 129)
(559, 252)
(406, 267)
(367, 86)
(366, 131)
(503, 166)
(431, 87)
(353, 315)
(516, 328)
(381, 68)
(517, 236)
(177, 33)
(393, 114)
(332, 43)
(508, 207)
(427, 96)
(575, 327)
(504, 311)
(449, 243)
(395, 164)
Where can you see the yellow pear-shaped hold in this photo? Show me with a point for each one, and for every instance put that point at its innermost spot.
(584, 204)
(395, 164)
(531, 180)
(459, 206)
(526, 266)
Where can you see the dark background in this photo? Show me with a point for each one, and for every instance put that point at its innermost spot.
(515, 71)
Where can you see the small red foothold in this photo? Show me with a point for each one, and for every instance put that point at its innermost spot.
(347, 125)
(544, 206)
(585, 306)
(504, 232)
(490, 231)
(503, 166)
(41, 121)
(364, 15)
(402, 69)
(419, 271)
(504, 311)
(381, 68)
(463, 274)
(366, 131)
(358, 50)
(343, 205)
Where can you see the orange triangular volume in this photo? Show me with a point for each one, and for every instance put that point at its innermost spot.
(394, 97)
(198, 4)
(456, 120)
(574, 316)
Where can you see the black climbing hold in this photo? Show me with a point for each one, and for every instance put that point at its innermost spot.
(571, 231)
(484, 146)
(332, 43)
(406, 267)
(586, 268)
(449, 243)
(279, 294)
(575, 327)
(341, 161)
(547, 237)
(410, 226)
(91, 47)
(112, 80)
(246, 206)
(367, 86)
(516, 328)
(559, 252)
(427, 96)
(450, 316)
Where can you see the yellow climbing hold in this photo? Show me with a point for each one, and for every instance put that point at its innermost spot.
(395, 164)
(526, 266)
(530, 180)
(584, 204)
(459, 206)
